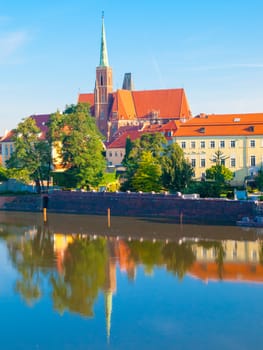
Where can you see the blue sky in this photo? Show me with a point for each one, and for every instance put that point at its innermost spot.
(49, 51)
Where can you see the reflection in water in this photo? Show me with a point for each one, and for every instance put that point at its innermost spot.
(80, 266)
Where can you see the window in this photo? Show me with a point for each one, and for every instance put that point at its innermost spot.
(232, 162)
(222, 144)
(202, 144)
(116, 154)
(223, 162)
(232, 143)
(202, 163)
(193, 163)
(110, 154)
(212, 144)
(183, 144)
(192, 144)
(252, 160)
(252, 143)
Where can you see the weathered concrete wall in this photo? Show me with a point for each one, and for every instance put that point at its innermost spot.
(201, 211)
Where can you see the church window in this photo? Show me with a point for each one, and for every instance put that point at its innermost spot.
(101, 79)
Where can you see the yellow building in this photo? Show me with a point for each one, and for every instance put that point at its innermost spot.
(238, 136)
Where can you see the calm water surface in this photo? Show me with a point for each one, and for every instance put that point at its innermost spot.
(75, 283)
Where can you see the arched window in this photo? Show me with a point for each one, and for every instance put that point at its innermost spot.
(101, 79)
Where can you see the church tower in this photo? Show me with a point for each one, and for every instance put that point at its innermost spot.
(103, 86)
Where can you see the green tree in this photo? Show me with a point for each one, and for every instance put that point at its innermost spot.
(148, 174)
(80, 145)
(219, 173)
(3, 174)
(153, 143)
(31, 158)
(177, 172)
(259, 180)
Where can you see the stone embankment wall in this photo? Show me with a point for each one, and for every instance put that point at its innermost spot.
(200, 211)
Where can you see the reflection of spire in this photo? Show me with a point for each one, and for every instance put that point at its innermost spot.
(108, 311)
(103, 48)
(110, 284)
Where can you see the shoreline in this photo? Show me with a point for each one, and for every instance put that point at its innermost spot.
(208, 211)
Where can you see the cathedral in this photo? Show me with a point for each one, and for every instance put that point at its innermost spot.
(126, 108)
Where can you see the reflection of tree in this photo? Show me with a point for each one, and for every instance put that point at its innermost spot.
(147, 253)
(219, 254)
(30, 257)
(84, 267)
(178, 258)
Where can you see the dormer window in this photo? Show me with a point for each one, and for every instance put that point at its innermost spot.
(251, 128)
(202, 130)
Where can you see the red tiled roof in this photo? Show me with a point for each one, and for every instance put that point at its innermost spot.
(120, 142)
(168, 103)
(165, 104)
(86, 98)
(222, 125)
(123, 104)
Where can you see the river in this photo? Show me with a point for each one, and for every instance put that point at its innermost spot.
(98, 282)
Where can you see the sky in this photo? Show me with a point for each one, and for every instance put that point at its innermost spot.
(49, 51)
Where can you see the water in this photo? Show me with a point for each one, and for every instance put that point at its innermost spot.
(75, 283)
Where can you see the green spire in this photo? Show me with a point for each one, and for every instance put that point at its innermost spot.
(103, 47)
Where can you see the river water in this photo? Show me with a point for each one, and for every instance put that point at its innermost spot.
(93, 282)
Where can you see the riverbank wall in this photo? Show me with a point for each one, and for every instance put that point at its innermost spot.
(179, 210)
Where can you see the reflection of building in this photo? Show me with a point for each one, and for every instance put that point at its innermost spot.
(240, 261)
(61, 242)
(118, 251)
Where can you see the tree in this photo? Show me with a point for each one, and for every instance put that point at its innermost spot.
(31, 158)
(219, 173)
(79, 145)
(148, 174)
(219, 158)
(176, 171)
(259, 179)
(153, 143)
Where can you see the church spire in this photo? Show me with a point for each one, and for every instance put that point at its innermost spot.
(103, 48)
